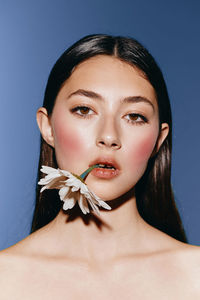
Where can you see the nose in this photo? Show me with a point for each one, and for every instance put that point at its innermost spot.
(108, 136)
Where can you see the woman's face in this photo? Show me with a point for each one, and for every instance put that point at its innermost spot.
(106, 113)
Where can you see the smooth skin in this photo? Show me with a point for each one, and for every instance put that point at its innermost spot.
(117, 255)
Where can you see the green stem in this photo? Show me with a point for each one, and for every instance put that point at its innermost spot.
(84, 174)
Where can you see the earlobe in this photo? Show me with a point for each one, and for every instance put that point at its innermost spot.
(44, 125)
(161, 138)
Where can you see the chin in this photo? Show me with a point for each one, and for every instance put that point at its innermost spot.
(110, 195)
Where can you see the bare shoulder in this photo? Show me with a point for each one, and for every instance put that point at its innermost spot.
(20, 270)
(173, 266)
(186, 262)
(189, 257)
(181, 263)
(11, 274)
(17, 260)
(181, 254)
(12, 259)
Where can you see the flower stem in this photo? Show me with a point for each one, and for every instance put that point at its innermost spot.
(84, 174)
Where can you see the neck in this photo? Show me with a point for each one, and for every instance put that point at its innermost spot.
(115, 233)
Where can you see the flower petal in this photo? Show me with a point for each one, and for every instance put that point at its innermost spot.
(73, 182)
(63, 192)
(83, 204)
(104, 205)
(54, 184)
(80, 202)
(84, 189)
(69, 203)
(75, 188)
(48, 170)
(65, 173)
(94, 207)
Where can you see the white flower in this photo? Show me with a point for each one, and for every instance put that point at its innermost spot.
(72, 189)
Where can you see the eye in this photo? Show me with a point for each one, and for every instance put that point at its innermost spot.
(82, 111)
(136, 119)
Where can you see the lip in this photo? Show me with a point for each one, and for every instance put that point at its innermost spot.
(105, 161)
(105, 173)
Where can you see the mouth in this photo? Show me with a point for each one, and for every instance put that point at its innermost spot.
(105, 163)
(107, 168)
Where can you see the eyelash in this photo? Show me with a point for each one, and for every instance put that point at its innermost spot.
(144, 120)
(75, 110)
(78, 108)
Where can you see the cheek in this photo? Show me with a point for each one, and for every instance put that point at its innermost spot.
(141, 151)
(69, 142)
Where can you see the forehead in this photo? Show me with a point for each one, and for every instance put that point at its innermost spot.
(108, 75)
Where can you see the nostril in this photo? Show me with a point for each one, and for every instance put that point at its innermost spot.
(114, 145)
(109, 143)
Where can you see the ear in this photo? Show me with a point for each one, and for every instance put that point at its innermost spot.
(162, 136)
(44, 125)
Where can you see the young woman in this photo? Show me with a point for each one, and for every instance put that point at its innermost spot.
(106, 104)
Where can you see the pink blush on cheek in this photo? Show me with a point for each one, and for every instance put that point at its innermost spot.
(142, 151)
(68, 142)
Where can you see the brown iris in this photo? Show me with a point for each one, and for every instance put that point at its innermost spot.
(84, 110)
(133, 117)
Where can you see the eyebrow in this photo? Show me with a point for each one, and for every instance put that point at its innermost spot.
(96, 96)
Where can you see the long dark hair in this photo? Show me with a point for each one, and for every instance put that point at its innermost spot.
(154, 196)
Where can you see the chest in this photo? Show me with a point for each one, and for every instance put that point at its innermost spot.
(70, 282)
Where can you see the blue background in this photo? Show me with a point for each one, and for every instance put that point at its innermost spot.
(34, 33)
